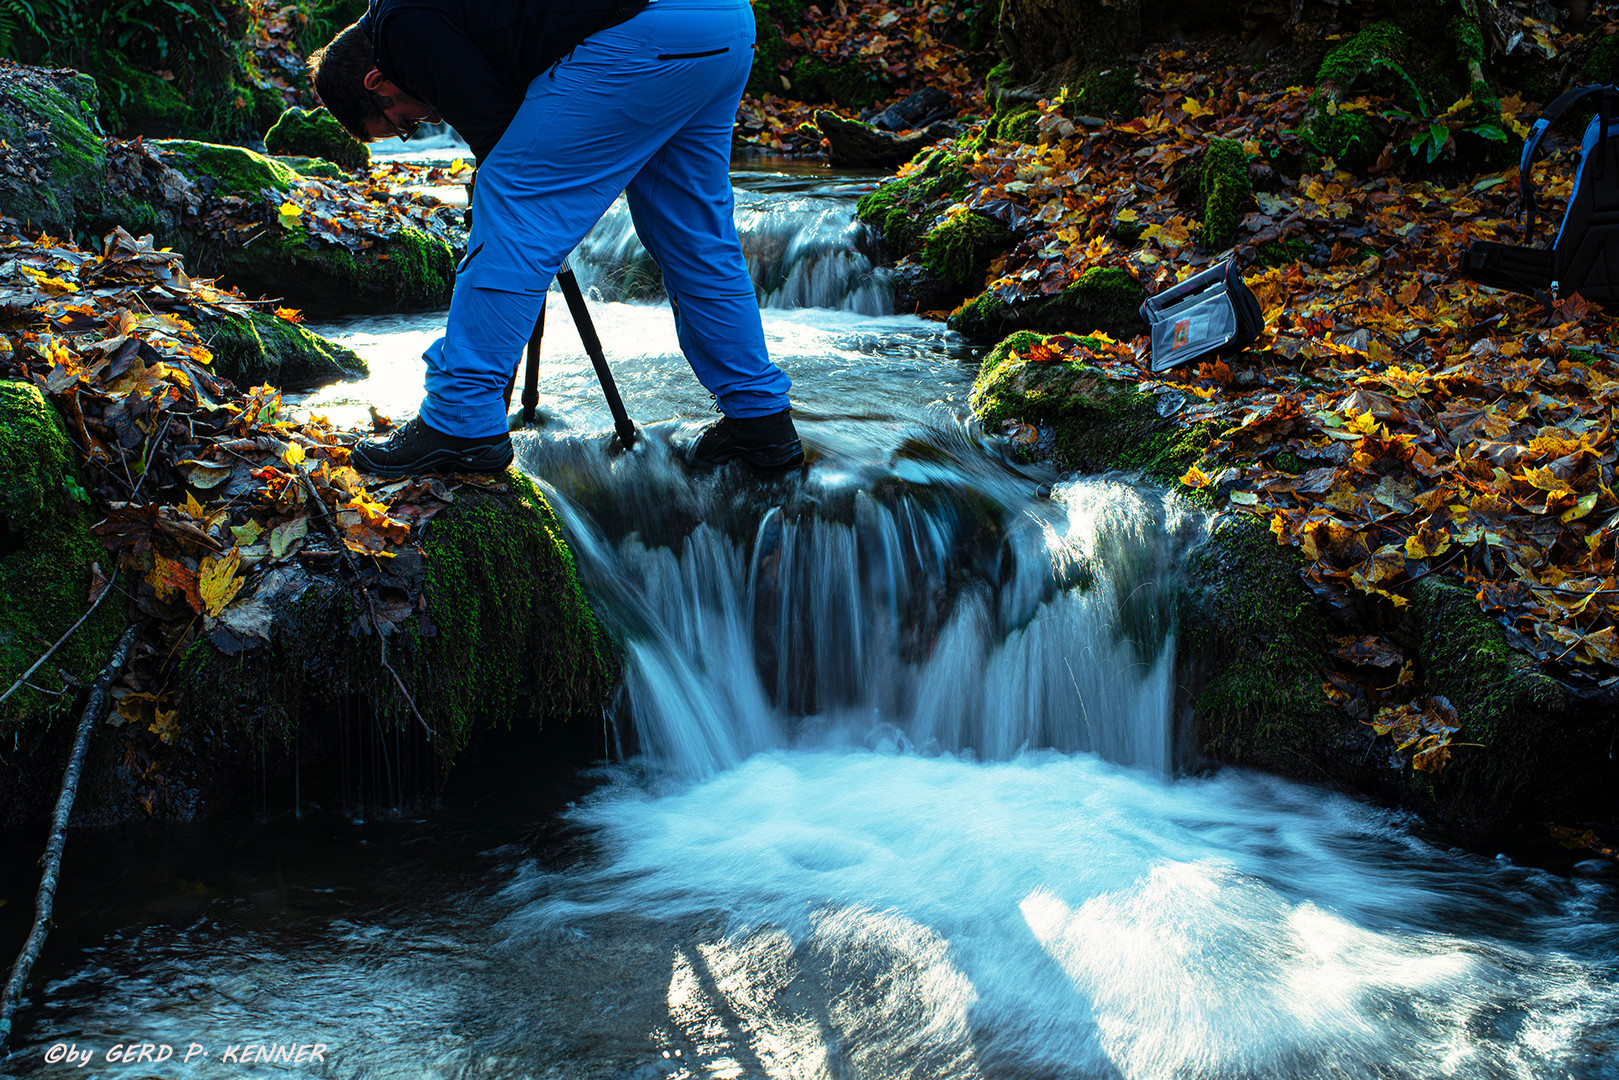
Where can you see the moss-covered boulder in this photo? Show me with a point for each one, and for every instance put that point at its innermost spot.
(47, 552)
(315, 133)
(53, 166)
(902, 210)
(1251, 644)
(960, 248)
(1543, 749)
(223, 214)
(1222, 180)
(506, 640)
(262, 348)
(1104, 298)
(1096, 423)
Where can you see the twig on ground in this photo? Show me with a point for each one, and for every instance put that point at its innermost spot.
(45, 900)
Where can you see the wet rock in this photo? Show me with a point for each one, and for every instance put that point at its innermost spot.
(1104, 298)
(52, 162)
(260, 348)
(1097, 423)
(854, 143)
(220, 207)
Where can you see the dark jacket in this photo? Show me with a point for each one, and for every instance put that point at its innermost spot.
(472, 60)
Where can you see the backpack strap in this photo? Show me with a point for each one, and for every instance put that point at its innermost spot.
(1549, 116)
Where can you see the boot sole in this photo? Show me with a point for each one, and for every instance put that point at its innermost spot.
(768, 459)
(491, 459)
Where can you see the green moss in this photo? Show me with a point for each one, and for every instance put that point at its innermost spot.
(1281, 252)
(1378, 50)
(903, 209)
(1104, 298)
(232, 169)
(1099, 423)
(1602, 66)
(261, 348)
(1109, 92)
(308, 166)
(1533, 738)
(139, 103)
(1252, 636)
(959, 249)
(507, 638)
(73, 164)
(1022, 126)
(46, 551)
(770, 17)
(512, 626)
(1347, 137)
(1224, 186)
(316, 133)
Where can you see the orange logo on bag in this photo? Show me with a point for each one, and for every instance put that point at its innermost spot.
(1183, 334)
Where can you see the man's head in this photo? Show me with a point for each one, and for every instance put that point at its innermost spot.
(366, 103)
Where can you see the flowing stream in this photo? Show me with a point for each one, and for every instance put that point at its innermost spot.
(894, 788)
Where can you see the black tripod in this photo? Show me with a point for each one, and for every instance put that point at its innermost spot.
(593, 346)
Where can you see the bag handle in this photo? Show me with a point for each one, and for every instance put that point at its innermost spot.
(1549, 116)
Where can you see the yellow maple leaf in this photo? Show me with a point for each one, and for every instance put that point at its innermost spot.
(217, 583)
(1196, 478)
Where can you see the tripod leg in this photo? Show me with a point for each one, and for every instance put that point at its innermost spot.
(531, 375)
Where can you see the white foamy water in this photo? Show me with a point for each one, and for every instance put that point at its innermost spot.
(1058, 916)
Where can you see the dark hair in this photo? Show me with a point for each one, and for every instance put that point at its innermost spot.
(338, 71)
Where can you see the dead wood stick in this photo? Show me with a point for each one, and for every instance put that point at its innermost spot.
(61, 640)
(45, 900)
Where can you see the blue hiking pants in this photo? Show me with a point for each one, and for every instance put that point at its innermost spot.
(645, 108)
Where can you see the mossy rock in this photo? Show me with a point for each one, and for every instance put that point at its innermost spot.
(507, 639)
(959, 249)
(1109, 92)
(1099, 423)
(902, 209)
(1222, 177)
(1250, 643)
(140, 103)
(226, 170)
(316, 133)
(1544, 750)
(310, 166)
(1104, 298)
(406, 270)
(46, 554)
(57, 165)
(1375, 56)
(1602, 66)
(847, 84)
(1347, 137)
(260, 348)
(1022, 126)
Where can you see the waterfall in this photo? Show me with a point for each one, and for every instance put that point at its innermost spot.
(933, 616)
(806, 251)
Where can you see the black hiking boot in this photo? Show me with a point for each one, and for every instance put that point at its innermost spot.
(766, 444)
(417, 448)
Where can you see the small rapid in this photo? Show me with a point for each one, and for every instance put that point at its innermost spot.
(896, 786)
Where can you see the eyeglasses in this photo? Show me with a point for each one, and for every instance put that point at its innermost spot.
(404, 133)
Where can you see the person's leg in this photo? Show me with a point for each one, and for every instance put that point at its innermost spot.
(683, 208)
(584, 131)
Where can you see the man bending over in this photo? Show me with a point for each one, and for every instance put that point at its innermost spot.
(565, 104)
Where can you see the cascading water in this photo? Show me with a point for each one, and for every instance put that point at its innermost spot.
(900, 801)
(804, 246)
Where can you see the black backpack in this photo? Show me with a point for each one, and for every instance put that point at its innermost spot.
(1584, 255)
